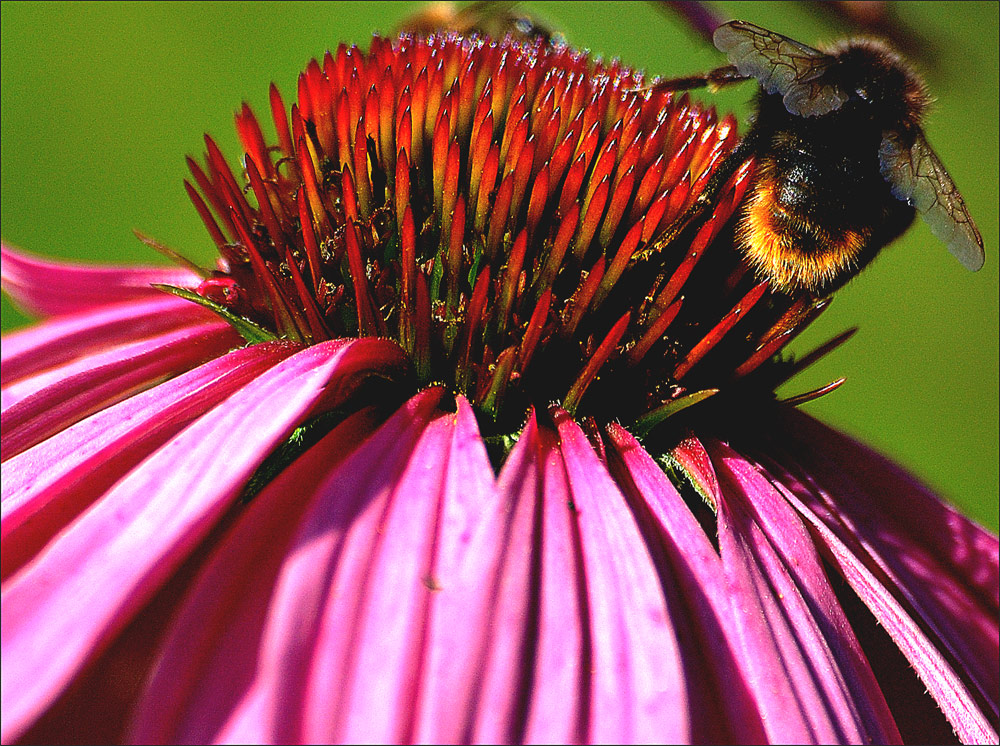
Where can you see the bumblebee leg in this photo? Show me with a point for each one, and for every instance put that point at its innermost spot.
(709, 194)
(713, 80)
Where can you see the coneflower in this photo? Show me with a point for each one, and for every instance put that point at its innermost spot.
(447, 447)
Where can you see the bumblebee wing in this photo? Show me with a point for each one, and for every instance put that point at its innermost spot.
(917, 176)
(782, 65)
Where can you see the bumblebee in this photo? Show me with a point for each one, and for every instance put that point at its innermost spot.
(842, 164)
(493, 19)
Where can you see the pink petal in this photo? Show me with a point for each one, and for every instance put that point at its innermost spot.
(693, 569)
(941, 563)
(557, 611)
(638, 692)
(484, 609)
(443, 493)
(470, 542)
(59, 341)
(44, 287)
(469, 492)
(307, 676)
(970, 551)
(47, 403)
(918, 551)
(95, 707)
(811, 660)
(940, 678)
(551, 640)
(46, 486)
(208, 661)
(366, 667)
(64, 607)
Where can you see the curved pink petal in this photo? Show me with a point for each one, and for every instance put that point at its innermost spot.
(63, 608)
(45, 287)
(557, 611)
(549, 703)
(938, 564)
(46, 486)
(460, 610)
(365, 671)
(484, 609)
(694, 572)
(811, 659)
(970, 551)
(31, 351)
(941, 563)
(208, 660)
(938, 675)
(638, 692)
(95, 707)
(392, 679)
(319, 608)
(47, 403)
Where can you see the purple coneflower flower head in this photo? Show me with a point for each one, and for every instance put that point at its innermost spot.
(448, 448)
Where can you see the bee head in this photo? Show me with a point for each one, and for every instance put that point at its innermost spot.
(878, 78)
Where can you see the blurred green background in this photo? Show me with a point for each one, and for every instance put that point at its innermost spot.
(101, 101)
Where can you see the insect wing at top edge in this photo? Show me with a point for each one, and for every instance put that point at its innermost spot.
(917, 176)
(781, 65)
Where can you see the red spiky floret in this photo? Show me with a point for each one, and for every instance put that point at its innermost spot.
(494, 207)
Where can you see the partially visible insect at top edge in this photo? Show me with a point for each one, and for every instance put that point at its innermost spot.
(842, 165)
(493, 19)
